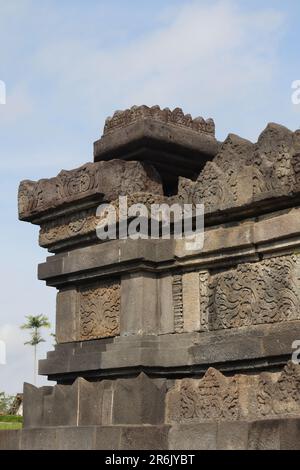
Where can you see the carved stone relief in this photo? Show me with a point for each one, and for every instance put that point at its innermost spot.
(219, 398)
(85, 222)
(176, 117)
(106, 180)
(67, 227)
(214, 397)
(36, 197)
(279, 395)
(255, 293)
(177, 303)
(244, 172)
(249, 294)
(99, 310)
(204, 299)
(264, 292)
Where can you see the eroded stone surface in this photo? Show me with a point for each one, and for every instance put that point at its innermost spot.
(175, 117)
(106, 180)
(250, 294)
(238, 397)
(99, 310)
(213, 398)
(94, 403)
(243, 172)
(142, 322)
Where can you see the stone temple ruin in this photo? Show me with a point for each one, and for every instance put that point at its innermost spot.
(160, 347)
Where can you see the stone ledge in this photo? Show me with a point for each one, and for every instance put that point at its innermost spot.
(184, 354)
(223, 246)
(121, 119)
(277, 434)
(47, 197)
(173, 150)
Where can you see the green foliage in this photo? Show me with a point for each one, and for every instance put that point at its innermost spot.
(11, 419)
(35, 323)
(5, 403)
(7, 426)
(36, 338)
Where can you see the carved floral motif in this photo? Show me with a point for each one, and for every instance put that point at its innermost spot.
(254, 293)
(176, 117)
(100, 310)
(67, 227)
(218, 398)
(85, 222)
(102, 180)
(279, 395)
(36, 197)
(243, 172)
(214, 397)
(177, 303)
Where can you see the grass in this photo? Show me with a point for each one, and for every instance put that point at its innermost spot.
(11, 419)
(10, 426)
(10, 422)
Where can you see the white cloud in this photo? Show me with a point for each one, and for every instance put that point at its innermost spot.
(18, 106)
(211, 58)
(13, 338)
(204, 54)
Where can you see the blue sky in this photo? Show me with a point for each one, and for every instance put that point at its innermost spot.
(69, 64)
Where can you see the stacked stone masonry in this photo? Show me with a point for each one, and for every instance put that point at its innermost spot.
(160, 346)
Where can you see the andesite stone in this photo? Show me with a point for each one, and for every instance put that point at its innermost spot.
(159, 346)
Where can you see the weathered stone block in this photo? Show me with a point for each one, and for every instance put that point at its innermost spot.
(264, 435)
(254, 293)
(240, 397)
(40, 439)
(67, 324)
(191, 301)
(108, 437)
(243, 173)
(232, 435)
(177, 294)
(76, 438)
(99, 310)
(144, 398)
(61, 406)
(10, 439)
(193, 436)
(290, 434)
(33, 404)
(173, 142)
(139, 305)
(165, 304)
(130, 306)
(144, 438)
(212, 398)
(90, 180)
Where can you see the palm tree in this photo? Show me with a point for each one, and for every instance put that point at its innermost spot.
(35, 323)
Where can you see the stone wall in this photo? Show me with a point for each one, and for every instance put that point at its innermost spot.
(160, 346)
